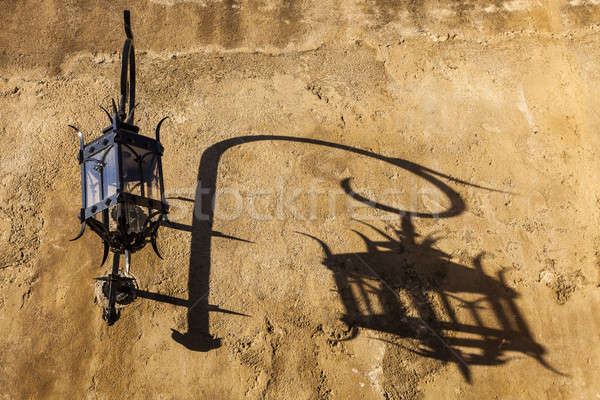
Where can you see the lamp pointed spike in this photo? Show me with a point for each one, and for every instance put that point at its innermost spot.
(80, 234)
(115, 116)
(155, 247)
(158, 128)
(129, 119)
(78, 134)
(107, 113)
(105, 255)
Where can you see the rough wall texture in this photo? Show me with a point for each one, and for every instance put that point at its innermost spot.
(317, 123)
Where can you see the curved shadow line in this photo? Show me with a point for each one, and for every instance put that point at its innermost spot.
(455, 208)
(198, 337)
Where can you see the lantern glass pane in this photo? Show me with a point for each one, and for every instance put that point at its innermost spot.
(151, 182)
(131, 170)
(101, 177)
(140, 172)
(92, 182)
(111, 172)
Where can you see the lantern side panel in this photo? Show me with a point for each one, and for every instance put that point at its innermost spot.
(101, 175)
(140, 172)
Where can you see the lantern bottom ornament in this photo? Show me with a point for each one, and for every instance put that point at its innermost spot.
(115, 290)
(122, 190)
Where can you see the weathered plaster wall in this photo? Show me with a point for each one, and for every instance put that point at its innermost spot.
(497, 94)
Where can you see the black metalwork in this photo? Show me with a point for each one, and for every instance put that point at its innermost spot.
(122, 189)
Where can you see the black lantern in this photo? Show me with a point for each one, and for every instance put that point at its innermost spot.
(122, 191)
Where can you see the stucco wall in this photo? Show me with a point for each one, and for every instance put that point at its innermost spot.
(293, 112)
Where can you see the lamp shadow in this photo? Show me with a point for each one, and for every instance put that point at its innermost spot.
(407, 288)
(197, 337)
(431, 273)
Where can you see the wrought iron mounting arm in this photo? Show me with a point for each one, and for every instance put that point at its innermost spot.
(127, 63)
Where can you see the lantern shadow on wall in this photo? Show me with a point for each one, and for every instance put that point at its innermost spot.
(492, 327)
(418, 262)
(198, 336)
(406, 288)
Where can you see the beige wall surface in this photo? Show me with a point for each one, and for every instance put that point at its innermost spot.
(406, 200)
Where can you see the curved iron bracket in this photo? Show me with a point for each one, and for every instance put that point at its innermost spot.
(158, 128)
(105, 255)
(78, 134)
(107, 114)
(80, 234)
(154, 246)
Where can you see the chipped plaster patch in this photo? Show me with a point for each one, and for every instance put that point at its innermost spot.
(524, 108)
(577, 3)
(516, 5)
(491, 9)
(201, 3)
(376, 373)
(443, 13)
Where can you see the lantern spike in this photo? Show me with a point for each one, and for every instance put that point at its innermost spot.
(80, 234)
(105, 255)
(129, 119)
(107, 113)
(78, 134)
(158, 128)
(155, 247)
(115, 112)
